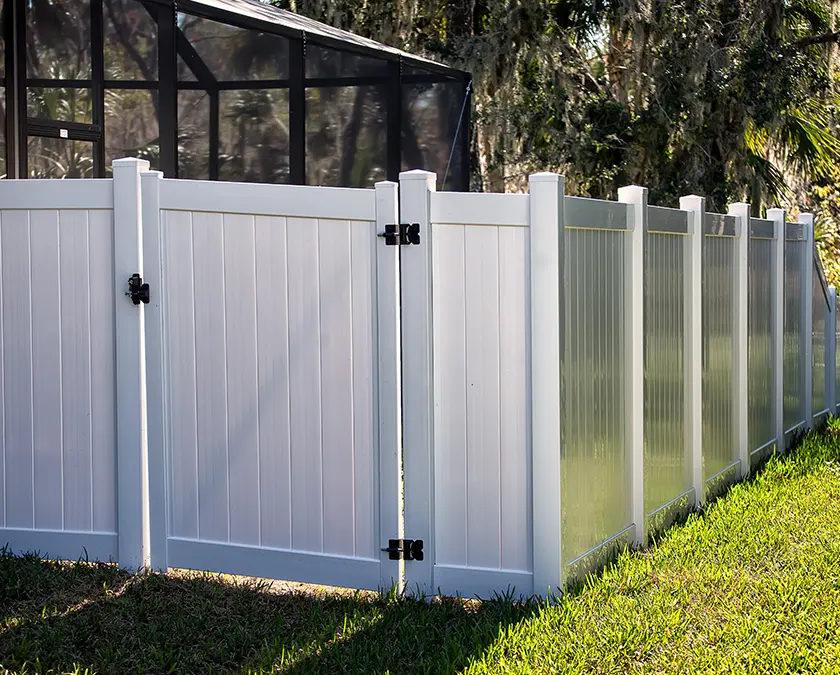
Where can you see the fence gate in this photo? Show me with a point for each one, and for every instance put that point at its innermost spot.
(277, 320)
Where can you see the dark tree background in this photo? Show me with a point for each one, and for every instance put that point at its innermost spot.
(731, 99)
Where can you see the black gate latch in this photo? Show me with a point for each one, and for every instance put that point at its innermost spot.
(404, 234)
(404, 549)
(137, 290)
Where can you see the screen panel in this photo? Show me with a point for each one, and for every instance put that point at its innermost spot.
(254, 135)
(232, 53)
(58, 41)
(59, 158)
(430, 121)
(326, 62)
(345, 136)
(130, 41)
(60, 103)
(131, 126)
(193, 134)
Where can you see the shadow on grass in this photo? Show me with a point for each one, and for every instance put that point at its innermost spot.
(66, 617)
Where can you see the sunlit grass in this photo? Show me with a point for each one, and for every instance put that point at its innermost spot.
(750, 585)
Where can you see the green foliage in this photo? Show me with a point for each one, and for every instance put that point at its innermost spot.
(713, 97)
(824, 199)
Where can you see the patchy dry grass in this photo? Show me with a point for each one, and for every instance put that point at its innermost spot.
(750, 585)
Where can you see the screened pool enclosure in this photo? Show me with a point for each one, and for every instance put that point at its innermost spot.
(220, 90)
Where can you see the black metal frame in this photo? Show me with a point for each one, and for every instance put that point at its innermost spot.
(171, 44)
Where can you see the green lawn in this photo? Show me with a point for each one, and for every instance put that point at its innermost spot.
(751, 585)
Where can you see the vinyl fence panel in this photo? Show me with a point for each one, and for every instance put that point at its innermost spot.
(57, 365)
(793, 337)
(837, 360)
(668, 475)
(481, 488)
(820, 308)
(761, 412)
(596, 461)
(720, 458)
(494, 395)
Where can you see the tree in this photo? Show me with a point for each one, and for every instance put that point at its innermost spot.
(730, 99)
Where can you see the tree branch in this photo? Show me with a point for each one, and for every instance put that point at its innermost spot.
(811, 40)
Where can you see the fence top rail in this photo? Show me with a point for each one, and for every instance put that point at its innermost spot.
(663, 220)
(762, 229)
(51, 194)
(478, 208)
(719, 225)
(596, 214)
(794, 232)
(260, 199)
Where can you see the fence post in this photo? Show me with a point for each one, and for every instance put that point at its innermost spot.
(777, 295)
(740, 342)
(831, 351)
(416, 188)
(547, 346)
(807, 304)
(153, 317)
(637, 198)
(388, 372)
(693, 341)
(132, 456)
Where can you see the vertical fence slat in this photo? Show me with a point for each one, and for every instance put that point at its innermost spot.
(777, 290)
(388, 372)
(807, 304)
(740, 341)
(418, 377)
(132, 467)
(547, 345)
(637, 198)
(153, 313)
(693, 290)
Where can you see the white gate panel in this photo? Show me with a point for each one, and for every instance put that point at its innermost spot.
(272, 363)
(57, 366)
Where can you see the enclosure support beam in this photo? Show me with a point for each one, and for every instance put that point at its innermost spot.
(168, 68)
(416, 188)
(831, 351)
(97, 37)
(740, 342)
(547, 346)
(693, 345)
(807, 294)
(297, 112)
(777, 300)
(637, 199)
(132, 459)
(394, 120)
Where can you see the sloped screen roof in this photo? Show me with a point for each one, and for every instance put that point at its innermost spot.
(265, 13)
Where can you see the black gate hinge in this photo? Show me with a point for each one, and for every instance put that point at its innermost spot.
(137, 290)
(404, 549)
(404, 234)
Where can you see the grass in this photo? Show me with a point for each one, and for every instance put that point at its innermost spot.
(752, 584)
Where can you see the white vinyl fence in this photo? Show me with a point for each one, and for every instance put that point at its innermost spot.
(527, 384)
